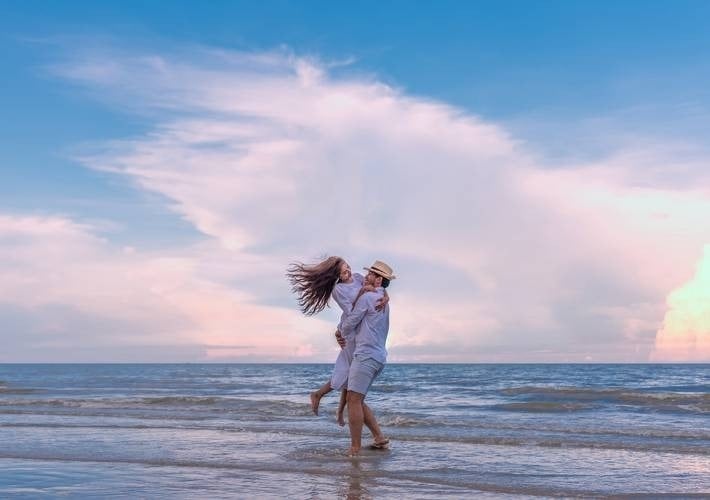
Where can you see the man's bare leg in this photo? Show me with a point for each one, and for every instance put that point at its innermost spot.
(371, 423)
(340, 414)
(355, 420)
(369, 418)
(316, 395)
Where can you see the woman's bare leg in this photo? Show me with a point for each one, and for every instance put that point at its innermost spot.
(316, 395)
(340, 414)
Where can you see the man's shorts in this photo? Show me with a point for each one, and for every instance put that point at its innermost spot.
(363, 371)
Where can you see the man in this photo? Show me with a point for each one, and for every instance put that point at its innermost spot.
(368, 327)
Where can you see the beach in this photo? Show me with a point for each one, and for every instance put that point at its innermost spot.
(247, 431)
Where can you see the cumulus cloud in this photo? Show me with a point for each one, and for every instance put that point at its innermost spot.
(274, 157)
(685, 335)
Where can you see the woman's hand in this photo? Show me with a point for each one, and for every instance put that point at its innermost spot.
(382, 302)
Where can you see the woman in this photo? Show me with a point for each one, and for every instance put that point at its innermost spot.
(315, 285)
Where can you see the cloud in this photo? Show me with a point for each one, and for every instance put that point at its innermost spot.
(69, 295)
(685, 335)
(274, 157)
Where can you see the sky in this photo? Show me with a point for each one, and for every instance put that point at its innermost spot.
(536, 173)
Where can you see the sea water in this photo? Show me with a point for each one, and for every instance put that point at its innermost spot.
(247, 431)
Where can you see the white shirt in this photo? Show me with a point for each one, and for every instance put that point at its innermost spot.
(345, 293)
(370, 326)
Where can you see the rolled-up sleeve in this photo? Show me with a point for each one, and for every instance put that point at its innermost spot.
(351, 320)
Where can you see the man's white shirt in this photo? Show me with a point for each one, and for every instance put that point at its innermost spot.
(369, 325)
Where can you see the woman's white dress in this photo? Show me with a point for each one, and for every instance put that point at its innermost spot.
(345, 294)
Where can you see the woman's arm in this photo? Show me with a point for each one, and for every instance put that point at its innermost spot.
(382, 302)
(341, 299)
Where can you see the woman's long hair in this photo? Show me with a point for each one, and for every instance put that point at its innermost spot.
(314, 284)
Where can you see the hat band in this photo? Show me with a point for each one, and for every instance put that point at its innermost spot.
(381, 272)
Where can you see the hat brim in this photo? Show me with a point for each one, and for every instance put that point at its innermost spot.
(379, 273)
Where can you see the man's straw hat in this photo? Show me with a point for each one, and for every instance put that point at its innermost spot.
(381, 269)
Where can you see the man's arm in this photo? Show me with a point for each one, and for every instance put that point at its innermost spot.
(363, 291)
(352, 320)
(349, 309)
(346, 307)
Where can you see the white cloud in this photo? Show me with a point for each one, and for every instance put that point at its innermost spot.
(273, 158)
(68, 295)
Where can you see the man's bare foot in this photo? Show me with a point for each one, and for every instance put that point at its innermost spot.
(381, 442)
(353, 452)
(315, 401)
(340, 417)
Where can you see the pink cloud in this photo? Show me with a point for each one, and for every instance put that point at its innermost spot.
(166, 298)
(685, 335)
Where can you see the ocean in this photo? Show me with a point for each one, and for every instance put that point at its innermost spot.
(457, 431)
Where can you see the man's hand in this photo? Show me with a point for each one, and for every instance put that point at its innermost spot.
(341, 340)
(382, 302)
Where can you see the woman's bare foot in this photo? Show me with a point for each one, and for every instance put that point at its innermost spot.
(315, 401)
(353, 452)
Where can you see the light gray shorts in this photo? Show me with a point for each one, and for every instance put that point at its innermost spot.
(363, 371)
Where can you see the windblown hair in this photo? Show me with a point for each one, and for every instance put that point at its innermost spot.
(314, 284)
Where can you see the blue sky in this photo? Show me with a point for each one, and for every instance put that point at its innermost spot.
(500, 59)
(555, 62)
(608, 93)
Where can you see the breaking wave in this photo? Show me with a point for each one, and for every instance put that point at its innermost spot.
(575, 398)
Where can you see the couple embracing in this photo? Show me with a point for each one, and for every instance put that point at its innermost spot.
(361, 333)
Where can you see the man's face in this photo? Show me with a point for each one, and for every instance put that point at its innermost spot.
(373, 279)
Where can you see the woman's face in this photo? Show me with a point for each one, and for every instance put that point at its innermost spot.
(345, 273)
